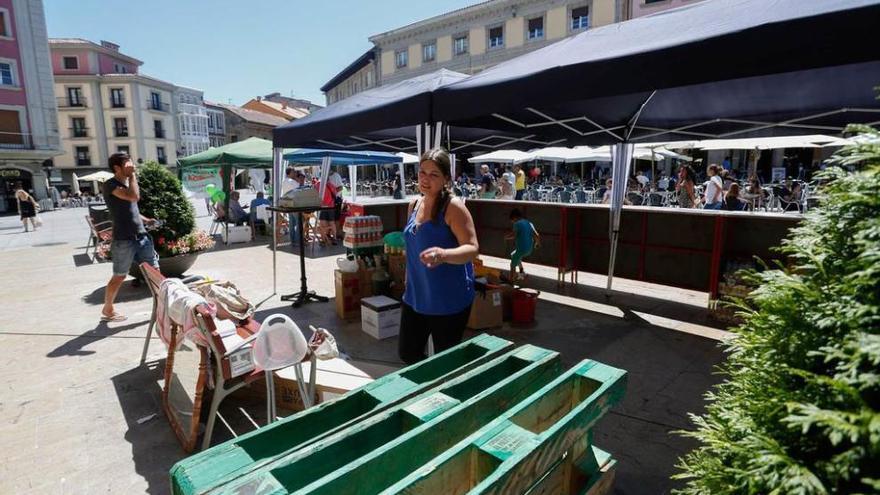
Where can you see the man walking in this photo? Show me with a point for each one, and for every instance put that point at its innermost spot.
(131, 243)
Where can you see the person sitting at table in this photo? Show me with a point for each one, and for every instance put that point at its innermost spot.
(731, 199)
(237, 215)
(726, 179)
(260, 200)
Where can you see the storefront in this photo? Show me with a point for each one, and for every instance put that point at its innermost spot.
(9, 179)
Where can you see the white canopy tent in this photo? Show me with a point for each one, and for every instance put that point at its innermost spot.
(502, 156)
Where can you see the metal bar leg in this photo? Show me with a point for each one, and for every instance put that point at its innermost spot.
(219, 394)
(147, 338)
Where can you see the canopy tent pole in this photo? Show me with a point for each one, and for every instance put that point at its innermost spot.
(353, 178)
(277, 164)
(325, 172)
(621, 158)
(228, 178)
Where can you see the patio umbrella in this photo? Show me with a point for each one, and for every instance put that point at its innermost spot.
(99, 176)
(74, 183)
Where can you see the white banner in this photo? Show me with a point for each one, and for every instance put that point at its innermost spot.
(196, 179)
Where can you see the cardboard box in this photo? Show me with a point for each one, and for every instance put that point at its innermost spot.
(487, 310)
(380, 316)
(237, 233)
(334, 377)
(366, 281)
(348, 294)
(397, 267)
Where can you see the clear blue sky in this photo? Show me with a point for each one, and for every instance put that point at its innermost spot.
(235, 50)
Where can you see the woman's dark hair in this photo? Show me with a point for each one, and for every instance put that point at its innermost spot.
(515, 214)
(733, 192)
(440, 157)
(689, 173)
(117, 160)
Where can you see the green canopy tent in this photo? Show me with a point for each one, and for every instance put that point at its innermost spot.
(251, 153)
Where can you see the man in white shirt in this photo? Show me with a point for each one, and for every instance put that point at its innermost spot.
(508, 177)
(336, 180)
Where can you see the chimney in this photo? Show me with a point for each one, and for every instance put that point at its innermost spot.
(259, 98)
(110, 45)
(284, 105)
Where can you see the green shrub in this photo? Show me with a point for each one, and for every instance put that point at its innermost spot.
(162, 198)
(798, 411)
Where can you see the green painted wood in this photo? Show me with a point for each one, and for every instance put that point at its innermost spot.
(203, 471)
(381, 449)
(528, 441)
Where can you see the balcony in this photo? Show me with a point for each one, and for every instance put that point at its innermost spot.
(79, 132)
(65, 102)
(157, 106)
(117, 103)
(160, 133)
(84, 161)
(163, 160)
(15, 141)
(120, 132)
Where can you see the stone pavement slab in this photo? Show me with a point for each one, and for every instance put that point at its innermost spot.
(72, 392)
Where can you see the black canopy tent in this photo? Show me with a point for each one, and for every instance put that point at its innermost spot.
(715, 69)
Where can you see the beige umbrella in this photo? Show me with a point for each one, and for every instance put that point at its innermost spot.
(99, 176)
(74, 183)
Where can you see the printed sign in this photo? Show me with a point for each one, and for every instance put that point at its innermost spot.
(196, 179)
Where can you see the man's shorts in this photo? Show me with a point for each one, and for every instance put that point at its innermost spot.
(517, 256)
(126, 252)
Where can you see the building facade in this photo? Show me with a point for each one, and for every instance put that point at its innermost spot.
(292, 102)
(106, 106)
(470, 39)
(192, 121)
(359, 76)
(242, 123)
(216, 125)
(639, 8)
(29, 137)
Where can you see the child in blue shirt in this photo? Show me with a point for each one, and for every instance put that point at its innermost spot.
(525, 238)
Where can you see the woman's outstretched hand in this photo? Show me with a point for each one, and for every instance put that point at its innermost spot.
(433, 256)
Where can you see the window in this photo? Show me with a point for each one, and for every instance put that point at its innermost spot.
(5, 28)
(160, 131)
(233, 138)
(160, 155)
(536, 28)
(120, 127)
(401, 58)
(580, 18)
(117, 98)
(83, 158)
(78, 127)
(155, 102)
(496, 37)
(123, 149)
(460, 45)
(70, 63)
(429, 52)
(74, 97)
(7, 77)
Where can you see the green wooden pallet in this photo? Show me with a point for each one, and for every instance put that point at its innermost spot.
(541, 445)
(382, 449)
(201, 472)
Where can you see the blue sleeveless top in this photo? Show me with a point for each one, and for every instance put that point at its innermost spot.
(445, 289)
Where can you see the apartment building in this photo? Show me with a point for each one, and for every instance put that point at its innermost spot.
(242, 123)
(192, 121)
(28, 120)
(470, 39)
(216, 125)
(105, 105)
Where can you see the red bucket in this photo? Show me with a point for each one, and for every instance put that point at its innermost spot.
(524, 303)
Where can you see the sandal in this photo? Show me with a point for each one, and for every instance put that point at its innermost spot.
(113, 317)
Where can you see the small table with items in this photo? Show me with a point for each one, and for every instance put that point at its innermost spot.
(304, 295)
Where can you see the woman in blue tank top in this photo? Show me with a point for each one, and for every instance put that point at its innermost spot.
(440, 244)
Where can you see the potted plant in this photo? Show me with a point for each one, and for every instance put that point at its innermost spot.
(176, 240)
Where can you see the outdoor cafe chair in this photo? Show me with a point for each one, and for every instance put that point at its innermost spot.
(635, 198)
(99, 233)
(580, 196)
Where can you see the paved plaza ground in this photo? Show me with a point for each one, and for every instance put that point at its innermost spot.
(79, 415)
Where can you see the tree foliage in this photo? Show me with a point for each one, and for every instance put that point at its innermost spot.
(162, 198)
(798, 410)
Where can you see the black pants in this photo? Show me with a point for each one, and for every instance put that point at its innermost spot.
(415, 328)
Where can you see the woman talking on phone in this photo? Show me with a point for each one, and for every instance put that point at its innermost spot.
(441, 243)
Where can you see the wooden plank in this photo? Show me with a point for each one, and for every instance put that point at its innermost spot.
(380, 450)
(528, 441)
(224, 462)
